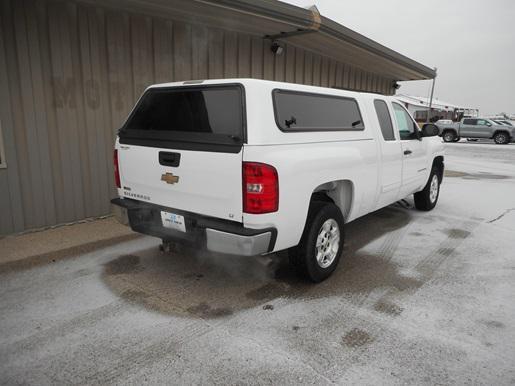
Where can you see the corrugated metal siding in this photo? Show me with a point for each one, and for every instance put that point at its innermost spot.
(71, 72)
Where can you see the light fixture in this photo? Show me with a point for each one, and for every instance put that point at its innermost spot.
(276, 48)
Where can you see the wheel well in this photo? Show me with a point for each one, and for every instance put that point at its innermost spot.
(501, 131)
(438, 163)
(451, 130)
(321, 196)
(338, 192)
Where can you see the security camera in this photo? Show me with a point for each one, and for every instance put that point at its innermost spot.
(276, 48)
(396, 85)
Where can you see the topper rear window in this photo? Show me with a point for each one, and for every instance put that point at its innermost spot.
(210, 117)
(299, 111)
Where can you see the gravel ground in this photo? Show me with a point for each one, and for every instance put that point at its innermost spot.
(418, 298)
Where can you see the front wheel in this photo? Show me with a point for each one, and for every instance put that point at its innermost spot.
(427, 198)
(321, 244)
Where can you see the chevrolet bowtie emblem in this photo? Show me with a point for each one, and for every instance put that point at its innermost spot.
(169, 178)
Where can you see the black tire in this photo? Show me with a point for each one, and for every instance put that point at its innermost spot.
(501, 138)
(304, 257)
(449, 136)
(424, 200)
(457, 139)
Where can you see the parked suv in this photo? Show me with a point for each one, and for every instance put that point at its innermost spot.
(474, 128)
(250, 167)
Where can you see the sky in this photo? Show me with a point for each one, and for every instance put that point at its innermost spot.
(470, 42)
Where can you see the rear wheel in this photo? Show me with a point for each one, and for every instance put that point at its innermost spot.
(449, 136)
(501, 138)
(427, 198)
(321, 245)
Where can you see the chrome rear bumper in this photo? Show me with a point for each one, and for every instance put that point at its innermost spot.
(234, 244)
(213, 234)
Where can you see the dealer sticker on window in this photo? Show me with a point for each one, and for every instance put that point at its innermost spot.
(173, 221)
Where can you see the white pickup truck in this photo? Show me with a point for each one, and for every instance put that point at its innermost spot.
(250, 167)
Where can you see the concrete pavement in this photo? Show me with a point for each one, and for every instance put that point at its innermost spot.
(423, 298)
(41, 247)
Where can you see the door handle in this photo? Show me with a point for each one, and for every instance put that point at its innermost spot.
(407, 152)
(169, 158)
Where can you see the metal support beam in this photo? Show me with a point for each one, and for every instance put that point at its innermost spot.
(431, 99)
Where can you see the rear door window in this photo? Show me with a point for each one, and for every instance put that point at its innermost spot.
(470, 121)
(299, 111)
(385, 120)
(187, 117)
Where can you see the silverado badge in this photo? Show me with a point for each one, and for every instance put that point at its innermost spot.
(169, 178)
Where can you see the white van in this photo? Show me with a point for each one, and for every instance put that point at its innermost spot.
(250, 167)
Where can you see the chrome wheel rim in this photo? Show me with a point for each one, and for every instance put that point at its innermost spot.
(328, 243)
(433, 188)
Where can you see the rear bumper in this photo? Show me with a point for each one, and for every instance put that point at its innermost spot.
(213, 234)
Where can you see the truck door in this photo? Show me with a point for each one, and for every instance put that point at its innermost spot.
(390, 170)
(414, 152)
(483, 129)
(468, 128)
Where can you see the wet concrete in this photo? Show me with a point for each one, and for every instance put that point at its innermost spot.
(214, 286)
(357, 338)
(418, 298)
(475, 176)
(39, 247)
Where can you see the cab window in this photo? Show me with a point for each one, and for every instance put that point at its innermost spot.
(482, 122)
(385, 121)
(407, 126)
(470, 121)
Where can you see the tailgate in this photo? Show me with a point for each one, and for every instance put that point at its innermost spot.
(207, 183)
(182, 147)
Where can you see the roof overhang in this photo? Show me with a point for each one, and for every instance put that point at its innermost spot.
(271, 17)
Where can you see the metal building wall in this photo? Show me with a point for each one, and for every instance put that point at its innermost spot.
(70, 73)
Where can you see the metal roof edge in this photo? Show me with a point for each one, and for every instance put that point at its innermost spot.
(302, 18)
(343, 33)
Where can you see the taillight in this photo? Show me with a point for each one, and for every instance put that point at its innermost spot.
(116, 169)
(260, 188)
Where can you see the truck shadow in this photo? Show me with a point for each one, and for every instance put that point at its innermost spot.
(199, 284)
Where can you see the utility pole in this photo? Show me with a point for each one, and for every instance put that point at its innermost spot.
(431, 99)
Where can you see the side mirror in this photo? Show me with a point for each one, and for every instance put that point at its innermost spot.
(488, 124)
(430, 130)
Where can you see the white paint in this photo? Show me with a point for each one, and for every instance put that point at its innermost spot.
(210, 183)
